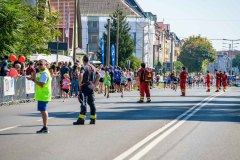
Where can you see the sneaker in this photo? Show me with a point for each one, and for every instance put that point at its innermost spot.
(148, 101)
(122, 96)
(44, 130)
(92, 121)
(140, 101)
(80, 121)
(108, 96)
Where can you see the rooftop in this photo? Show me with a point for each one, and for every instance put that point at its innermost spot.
(107, 7)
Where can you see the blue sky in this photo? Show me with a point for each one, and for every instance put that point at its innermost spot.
(214, 19)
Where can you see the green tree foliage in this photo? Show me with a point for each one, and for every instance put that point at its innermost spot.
(196, 53)
(236, 61)
(28, 31)
(134, 62)
(9, 23)
(178, 66)
(36, 32)
(126, 43)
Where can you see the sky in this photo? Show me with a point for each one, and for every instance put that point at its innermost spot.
(213, 19)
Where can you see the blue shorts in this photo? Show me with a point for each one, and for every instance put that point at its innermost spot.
(42, 106)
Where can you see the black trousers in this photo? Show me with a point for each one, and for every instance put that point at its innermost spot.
(88, 98)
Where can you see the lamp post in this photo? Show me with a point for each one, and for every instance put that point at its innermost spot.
(117, 40)
(74, 32)
(231, 47)
(172, 37)
(108, 44)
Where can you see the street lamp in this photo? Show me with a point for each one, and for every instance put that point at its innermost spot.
(231, 47)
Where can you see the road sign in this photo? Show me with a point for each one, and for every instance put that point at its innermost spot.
(57, 46)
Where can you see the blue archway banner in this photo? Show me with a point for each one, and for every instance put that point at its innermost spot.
(113, 55)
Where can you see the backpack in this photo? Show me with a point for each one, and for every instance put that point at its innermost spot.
(91, 73)
(147, 75)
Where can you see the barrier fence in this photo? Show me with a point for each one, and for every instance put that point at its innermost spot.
(15, 90)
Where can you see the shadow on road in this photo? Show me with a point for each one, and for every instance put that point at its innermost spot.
(14, 134)
(215, 111)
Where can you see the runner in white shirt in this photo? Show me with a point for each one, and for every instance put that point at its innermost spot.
(130, 76)
(102, 73)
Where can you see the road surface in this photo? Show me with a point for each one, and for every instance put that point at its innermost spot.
(200, 126)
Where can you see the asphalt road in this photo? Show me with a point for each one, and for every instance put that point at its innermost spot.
(200, 126)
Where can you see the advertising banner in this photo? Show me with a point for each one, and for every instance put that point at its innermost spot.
(113, 55)
(8, 86)
(102, 49)
(30, 87)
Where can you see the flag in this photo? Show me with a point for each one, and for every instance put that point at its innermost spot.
(67, 22)
(102, 49)
(113, 55)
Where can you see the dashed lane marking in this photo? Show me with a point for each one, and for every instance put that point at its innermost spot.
(4, 129)
(161, 130)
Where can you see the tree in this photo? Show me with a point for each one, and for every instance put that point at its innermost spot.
(134, 62)
(178, 66)
(9, 23)
(36, 31)
(196, 53)
(236, 61)
(23, 29)
(126, 43)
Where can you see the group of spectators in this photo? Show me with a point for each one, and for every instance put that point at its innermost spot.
(112, 79)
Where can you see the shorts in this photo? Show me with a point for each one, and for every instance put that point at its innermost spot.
(65, 90)
(129, 79)
(123, 84)
(107, 83)
(101, 80)
(42, 106)
(116, 82)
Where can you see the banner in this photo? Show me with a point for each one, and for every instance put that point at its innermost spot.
(102, 49)
(30, 86)
(8, 86)
(113, 55)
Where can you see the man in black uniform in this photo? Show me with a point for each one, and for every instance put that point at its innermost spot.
(88, 79)
(111, 73)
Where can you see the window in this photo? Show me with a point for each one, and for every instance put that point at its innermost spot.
(94, 38)
(95, 24)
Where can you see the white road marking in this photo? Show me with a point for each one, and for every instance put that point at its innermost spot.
(156, 141)
(125, 100)
(72, 112)
(161, 130)
(4, 129)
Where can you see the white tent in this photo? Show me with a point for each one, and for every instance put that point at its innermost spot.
(51, 58)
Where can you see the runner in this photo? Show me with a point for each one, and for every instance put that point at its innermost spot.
(164, 82)
(123, 83)
(102, 74)
(107, 83)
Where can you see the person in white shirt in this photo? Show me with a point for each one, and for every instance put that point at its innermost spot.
(102, 73)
